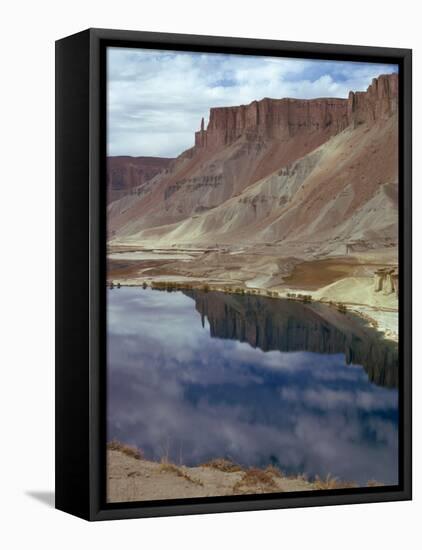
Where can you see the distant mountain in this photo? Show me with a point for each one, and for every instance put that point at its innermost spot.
(125, 173)
(322, 173)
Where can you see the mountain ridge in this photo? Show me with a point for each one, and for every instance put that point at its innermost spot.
(236, 183)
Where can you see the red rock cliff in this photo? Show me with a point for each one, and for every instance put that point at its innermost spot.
(286, 118)
(379, 101)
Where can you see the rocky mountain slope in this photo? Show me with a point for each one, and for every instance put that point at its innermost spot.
(125, 173)
(318, 175)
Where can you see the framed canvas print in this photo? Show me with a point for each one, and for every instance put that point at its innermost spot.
(233, 274)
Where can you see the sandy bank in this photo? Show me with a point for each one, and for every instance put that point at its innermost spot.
(136, 479)
(264, 271)
(358, 295)
(380, 313)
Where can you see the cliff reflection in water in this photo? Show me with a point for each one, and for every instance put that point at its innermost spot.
(286, 325)
(258, 381)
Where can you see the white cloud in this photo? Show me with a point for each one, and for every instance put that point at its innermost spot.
(156, 99)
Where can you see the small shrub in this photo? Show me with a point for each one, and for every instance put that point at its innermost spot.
(164, 285)
(256, 479)
(273, 471)
(128, 450)
(170, 468)
(223, 464)
(331, 482)
(303, 297)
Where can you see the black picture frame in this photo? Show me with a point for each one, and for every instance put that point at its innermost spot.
(81, 272)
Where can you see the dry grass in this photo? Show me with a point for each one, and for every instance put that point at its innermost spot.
(257, 480)
(253, 480)
(300, 477)
(128, 450)
(374, 483)
(331, 482)
(273, 471)
(223, 464)
(170, 468)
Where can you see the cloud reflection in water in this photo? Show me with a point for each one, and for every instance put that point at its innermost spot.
(175, 389)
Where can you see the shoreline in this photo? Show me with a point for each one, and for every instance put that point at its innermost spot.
(372, 315)
(131, 477)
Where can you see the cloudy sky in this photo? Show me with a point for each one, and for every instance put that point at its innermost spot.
(156, 99)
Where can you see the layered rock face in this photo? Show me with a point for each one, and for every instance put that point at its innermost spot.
(379, 102)
(126, 173)
(272, 119)
(322, 171)
(386, 280)
(285, 118)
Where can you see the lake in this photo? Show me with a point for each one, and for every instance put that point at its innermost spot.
(195, 375)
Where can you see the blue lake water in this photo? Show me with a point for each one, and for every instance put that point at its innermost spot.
(195, 376)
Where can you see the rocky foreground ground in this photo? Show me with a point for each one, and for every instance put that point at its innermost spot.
(132, 478)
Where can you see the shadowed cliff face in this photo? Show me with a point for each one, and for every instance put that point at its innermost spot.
(379, 102)
(289, 326)
(124, 174)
